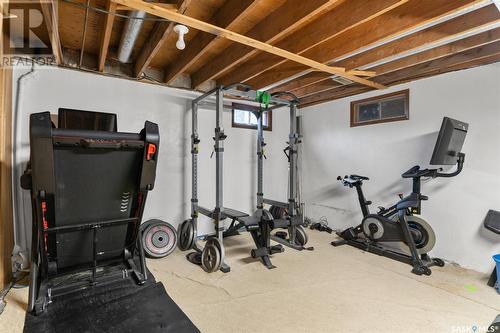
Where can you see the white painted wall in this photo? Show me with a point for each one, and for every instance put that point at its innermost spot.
(457, 206)
(134, 102)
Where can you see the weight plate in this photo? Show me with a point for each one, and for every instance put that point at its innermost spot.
(278, 212)
(259, 213)
(211, 257)
(267, 215)
(186, 235)
(194, 257)
(219, 244)
(300, 236)
(159, 239)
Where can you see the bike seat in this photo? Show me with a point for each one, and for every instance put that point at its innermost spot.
(358, 177)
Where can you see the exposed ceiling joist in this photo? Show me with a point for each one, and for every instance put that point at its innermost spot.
(284, 20)
(344, 17)
(468, 43)
(210, 28)
(170, 6)
(158, 36)
(459, 46)
(51, 21)
(111, 8)
(475, 22)
(230, 13)
(420, 70)
(395, 22)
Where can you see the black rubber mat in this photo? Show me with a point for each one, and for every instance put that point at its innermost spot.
(120, 307)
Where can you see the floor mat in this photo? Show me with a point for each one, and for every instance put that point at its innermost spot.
(120, 307)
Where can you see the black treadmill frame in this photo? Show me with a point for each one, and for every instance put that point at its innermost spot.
(44, 284)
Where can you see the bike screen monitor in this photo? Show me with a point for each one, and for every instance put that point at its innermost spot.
(449, 142)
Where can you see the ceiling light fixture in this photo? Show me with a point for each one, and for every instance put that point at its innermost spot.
(181, 30)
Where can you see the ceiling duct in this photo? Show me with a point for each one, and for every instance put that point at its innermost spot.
(339, 79)
(129, 35)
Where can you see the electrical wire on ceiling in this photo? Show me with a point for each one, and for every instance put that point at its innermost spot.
(104, 11)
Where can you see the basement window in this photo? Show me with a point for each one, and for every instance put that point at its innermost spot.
(243, 117)
(381, 109)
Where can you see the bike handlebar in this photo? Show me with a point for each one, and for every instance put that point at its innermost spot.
(416, 172)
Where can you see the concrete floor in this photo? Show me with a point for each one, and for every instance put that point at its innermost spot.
(327, 290)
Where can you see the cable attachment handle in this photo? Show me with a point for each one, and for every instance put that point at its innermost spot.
(287, 154)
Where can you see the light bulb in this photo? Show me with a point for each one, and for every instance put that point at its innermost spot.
(180, 43)
(181, 30)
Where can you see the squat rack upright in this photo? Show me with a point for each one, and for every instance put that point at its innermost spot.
(287, 215)
(211, 256)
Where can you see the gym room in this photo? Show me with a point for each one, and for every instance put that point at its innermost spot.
(250, 166)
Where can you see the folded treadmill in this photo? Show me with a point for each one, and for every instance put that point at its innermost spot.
(88, 191)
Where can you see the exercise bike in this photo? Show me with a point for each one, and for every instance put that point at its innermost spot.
(398, 222)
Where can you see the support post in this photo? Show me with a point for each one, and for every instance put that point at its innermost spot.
(260, 161)
(219, 151)
(292, 145)
(194, 162)
(6, 219)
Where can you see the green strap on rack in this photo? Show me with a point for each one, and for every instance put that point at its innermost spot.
(264, 98)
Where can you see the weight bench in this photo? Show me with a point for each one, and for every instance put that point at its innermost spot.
(239, 220)
(492, 223)
(260, 233)
(88, 192)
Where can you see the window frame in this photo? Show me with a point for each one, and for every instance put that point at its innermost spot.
(246, 107)
(375, 99)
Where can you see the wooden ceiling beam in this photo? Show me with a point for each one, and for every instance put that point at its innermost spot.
(282, 21)
(106, 34)
(336, 22)
(235, 37)
(158, 36)
(465, 44)
(169, 6)
(433, 67)
(409, 16)
(482, 19)
(227, 16)
(461, 66)
(51, 22)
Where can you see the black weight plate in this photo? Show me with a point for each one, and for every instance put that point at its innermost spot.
(186, 235)
(211, 257)
(300, 236)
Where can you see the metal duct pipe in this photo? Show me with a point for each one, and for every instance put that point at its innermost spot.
(130, 34)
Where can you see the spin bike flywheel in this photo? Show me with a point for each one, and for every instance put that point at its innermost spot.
(421, 231)
(159, 238)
